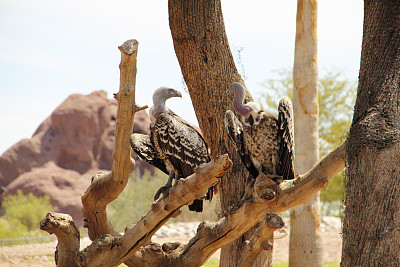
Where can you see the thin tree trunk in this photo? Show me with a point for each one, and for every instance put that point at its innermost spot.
(207, 65)
(371, 226)
(305, 247)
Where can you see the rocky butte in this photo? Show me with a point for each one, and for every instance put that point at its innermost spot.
(66, 150)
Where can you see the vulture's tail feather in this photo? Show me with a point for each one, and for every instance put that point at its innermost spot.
(197, 206)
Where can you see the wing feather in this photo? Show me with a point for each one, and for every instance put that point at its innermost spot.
(184, 147)
(181, 143)
(145, 150)
(235, 132)
(286, 133)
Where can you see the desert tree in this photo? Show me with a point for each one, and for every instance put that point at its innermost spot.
(305, 244)
(371, 235)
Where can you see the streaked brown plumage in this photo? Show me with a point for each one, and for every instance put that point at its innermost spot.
(174, 145)
(265, 143)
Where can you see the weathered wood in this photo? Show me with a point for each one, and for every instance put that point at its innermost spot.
(112, 250)
(67, 234)
(261, 240)
(106, 187)
(208, 67)
(211, 236)
(305, 242)
(132, 248)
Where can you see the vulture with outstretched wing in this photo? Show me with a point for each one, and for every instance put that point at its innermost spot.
(174, 146)
(265, 143)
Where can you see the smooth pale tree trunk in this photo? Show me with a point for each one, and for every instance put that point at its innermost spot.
(305, 245)
(202, 49)
(371, 226)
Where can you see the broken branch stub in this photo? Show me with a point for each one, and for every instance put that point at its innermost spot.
(67, 234)
(261, 239)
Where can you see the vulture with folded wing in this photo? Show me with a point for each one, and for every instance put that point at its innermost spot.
(265, 143)
(174, 146)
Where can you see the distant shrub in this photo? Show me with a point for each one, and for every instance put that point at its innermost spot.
(136, 199)
(22, 214)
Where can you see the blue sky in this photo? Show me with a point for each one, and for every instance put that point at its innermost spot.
(51, 49)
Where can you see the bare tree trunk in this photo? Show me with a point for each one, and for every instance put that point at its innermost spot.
(371, 227)
(207, 65)
(305, 247)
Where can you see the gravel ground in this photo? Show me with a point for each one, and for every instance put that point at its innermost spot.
(42, 254)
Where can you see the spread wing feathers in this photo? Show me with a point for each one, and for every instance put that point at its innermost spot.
(235, 132)
(145, 150)
(286, 133)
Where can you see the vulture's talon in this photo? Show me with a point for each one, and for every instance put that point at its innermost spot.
(163, 190)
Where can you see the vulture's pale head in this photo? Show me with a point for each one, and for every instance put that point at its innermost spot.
(159, 97)
(163, 93)
(251, 112)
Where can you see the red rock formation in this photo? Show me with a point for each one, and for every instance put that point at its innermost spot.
(67, 149)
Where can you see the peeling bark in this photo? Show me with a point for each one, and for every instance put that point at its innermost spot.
(305, 241)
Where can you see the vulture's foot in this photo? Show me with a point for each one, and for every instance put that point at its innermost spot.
(163, 190)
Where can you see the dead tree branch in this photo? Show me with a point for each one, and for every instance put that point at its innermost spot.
(106, 187)
(261, 239)
(67, 234)
(115, 250)
(261, 197)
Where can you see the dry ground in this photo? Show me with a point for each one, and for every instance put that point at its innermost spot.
(36, 255)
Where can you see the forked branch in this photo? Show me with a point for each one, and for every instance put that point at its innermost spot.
(118, 249)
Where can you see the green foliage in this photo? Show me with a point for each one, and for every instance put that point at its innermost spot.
(135, 200)
(137, 197)
(336, 96)
(212, 262)
(22, 214)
